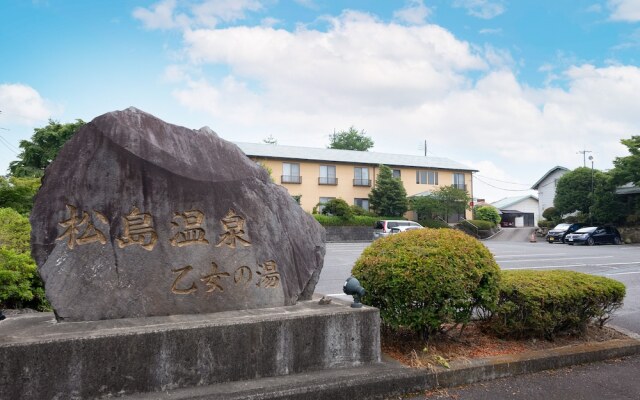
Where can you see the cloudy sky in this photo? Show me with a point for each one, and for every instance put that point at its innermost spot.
(511, 88)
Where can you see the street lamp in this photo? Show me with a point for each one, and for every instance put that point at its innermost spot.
(592, 200)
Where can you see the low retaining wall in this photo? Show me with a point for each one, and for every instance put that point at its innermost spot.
(349, 233)
(632, 234)
(41, 359)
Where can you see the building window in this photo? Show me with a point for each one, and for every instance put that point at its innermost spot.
(396, 173)
(322, 202)
(458, 181)
(291, 173)
(364, 203)
(361, 177)
(424, 177)
(327, 175)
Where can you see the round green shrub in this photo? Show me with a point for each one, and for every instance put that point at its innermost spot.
(551, 214)
(545, 303)
(337, 207)
(425, 278)
(488, 213)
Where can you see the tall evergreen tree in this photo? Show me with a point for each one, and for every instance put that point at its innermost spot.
(388, 197)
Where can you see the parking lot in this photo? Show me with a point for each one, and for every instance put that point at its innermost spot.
(618, 262)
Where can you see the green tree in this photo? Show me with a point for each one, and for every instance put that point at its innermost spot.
(337, 207)
(388, 197)
(43, 147)
(17, 193)
(270, 140)
(450, 200)
(627, 169)
(424, 206)
(573, 191)
(607, 207)
(551, 214)
(488, 213)
(350, 140)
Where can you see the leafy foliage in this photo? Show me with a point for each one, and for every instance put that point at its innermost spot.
(450, 200)
(627, 169)
(607, 206)
(338, 208)
(388, 197)
(489, 214)
(15, 231)
(350, 140)
(356, 220)
(433, 223)
(551, 214)
(17, 193)
(545, 303)
(43, 148)
(20, 284)
(573, 191)
(426, 207)
(425, 278)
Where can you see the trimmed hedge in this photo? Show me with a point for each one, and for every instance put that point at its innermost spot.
(545, 303)
(356, 220)
(424, 278)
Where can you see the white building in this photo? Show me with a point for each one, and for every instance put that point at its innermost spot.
(518, 211)
(546, 187)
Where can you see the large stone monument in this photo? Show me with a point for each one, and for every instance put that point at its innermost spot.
(173, 262)
(137, 217)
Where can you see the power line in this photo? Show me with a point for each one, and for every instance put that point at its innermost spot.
(9, 146)
(496, 187)
(498, 180)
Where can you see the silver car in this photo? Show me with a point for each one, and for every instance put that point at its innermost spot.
(383, 227)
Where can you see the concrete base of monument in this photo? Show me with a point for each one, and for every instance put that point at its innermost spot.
(40, 358)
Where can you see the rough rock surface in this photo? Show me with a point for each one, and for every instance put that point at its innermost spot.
(137, 217)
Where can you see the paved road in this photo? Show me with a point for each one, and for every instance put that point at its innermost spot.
(613, 379)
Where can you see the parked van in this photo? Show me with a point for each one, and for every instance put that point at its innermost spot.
(383, 227)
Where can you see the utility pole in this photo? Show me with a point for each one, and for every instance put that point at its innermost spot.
(584, 156)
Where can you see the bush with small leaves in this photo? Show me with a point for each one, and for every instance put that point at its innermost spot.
(488, 213)
(425, 278)
(337, 207)
(546, 303)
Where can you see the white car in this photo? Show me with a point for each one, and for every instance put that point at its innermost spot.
(399, 229)
(383, 227)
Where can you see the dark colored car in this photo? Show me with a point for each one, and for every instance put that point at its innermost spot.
(594, 235)
(558, 234)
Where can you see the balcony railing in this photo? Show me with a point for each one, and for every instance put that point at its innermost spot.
(324, 180)
(362, 182)
(290, 179)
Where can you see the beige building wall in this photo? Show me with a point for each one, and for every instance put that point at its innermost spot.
(311, 191)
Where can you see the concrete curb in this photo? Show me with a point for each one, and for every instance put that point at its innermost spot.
(388, 379)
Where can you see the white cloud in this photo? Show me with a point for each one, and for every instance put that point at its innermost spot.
(625, 10)
(167, 14)
(22, 105)
(415, 13)
(403, 85)
(160, 16)
(490, 31)
(485, 9)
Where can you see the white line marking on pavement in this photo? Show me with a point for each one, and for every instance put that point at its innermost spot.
(574, 265)
(555, 259)
(529, 255)
(623, 273)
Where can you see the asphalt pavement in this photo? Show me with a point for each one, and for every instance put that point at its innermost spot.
(613, 379)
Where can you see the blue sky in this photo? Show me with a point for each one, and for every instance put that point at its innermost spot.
(511, 88)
